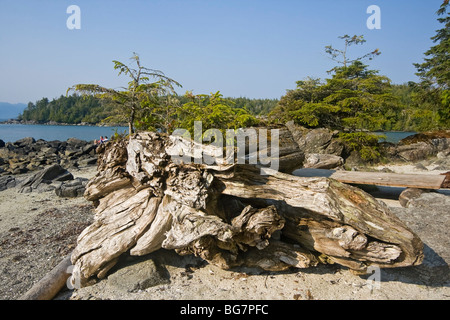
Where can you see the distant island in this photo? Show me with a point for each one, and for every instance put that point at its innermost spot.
(11, 110)
(90, 110)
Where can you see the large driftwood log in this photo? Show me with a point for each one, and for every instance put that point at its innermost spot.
(231, 215)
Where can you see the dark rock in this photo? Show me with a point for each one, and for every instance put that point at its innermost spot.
(24, 142)
(76, 143)
(72, 189)
(322, 161)
(89, 148)
(19, 170)
(88, 162)
(420, 166)
(316, 141)
(70, 153)
(2, 143)
(138, 276)
(57, 144)
(423, 145)
(354, 160)
(29, 155)
(425, 137)
(416, 151)
(428, 216)
(52, 173)
(321, 140)
(7, 182)
(291, 157)
(409, 194)
(336, 147)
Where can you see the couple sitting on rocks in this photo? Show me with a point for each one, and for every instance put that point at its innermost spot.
(101, 140)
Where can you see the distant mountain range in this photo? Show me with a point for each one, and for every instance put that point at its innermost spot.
(11, 111)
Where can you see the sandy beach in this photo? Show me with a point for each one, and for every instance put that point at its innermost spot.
(38, 229)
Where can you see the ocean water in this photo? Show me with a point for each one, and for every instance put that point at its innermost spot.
(14, 132)
(395, 136)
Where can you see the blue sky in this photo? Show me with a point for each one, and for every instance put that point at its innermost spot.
(251, 48)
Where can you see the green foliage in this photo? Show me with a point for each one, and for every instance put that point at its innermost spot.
(434, 72)
(364, 143)
(214, 111)
(341, 55)
(72, 109)
(117, 135)
(257, 107)
(140, 96)
(354, 98)
(357, 98)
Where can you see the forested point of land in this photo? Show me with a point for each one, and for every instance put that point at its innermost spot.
(76, 109)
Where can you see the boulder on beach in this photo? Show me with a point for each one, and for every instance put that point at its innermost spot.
(72, 189)
(421, 146)
(7, 182)
(320, 140)
(24, 142)
(408, 196)
(322, 161)
(46, 176)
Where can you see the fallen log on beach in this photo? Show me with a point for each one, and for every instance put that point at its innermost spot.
(49, 286)
(231, 215)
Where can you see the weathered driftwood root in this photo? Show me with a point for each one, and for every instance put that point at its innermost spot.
(231, 215)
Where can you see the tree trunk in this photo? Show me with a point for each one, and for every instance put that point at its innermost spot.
(231, 215)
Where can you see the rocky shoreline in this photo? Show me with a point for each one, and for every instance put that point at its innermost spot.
(27, 154)
(299, 148)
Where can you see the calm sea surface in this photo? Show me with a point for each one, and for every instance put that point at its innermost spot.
(395, 136)
(14, 132)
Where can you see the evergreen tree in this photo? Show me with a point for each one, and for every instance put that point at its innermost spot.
(141, 93)
(354, 99)
(433, 90)
(214, 111)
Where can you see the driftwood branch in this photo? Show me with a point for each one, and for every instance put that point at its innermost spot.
(49, 286)
(231, 215)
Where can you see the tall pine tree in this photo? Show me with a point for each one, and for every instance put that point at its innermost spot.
(434, 72)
